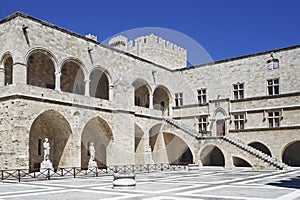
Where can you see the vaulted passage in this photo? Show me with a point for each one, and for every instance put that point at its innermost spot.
(40, 70)
(212, 156)
(72, 78)
(259, 146)
(99, 86)
(141, 93)
(55, 127)
(98, 132)
(291, 154)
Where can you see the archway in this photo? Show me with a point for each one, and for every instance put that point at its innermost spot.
(212, 156)
(40, 70)
(72, 78)
(177, 150)
(8, 63)
(99, 85)
(259, 146)
(239, 162)
(52, 125)
(96, 131)
(161, 99)
(291, 154)
(141, 93)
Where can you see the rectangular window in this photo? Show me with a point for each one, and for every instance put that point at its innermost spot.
(178, 99)
(202, 96)
(202, 124)
(239, 121)
(274, 119)
(273, 86)
(238, 91)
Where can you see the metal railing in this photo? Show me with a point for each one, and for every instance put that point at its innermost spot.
(68, 172)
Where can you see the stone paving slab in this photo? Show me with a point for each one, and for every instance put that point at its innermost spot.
(206, 184)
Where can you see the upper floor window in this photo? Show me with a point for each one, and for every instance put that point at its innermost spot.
(239, 121)
(273, 86)
(202, 124)
(202, 96)
(238, 91)
(274, 119)
(273, 63)
(178, 99)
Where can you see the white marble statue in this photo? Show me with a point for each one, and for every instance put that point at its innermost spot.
(46, 145)
(92, 151)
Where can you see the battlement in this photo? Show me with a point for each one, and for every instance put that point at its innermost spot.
(153, 48)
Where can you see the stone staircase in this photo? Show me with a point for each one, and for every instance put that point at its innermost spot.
(236, 142)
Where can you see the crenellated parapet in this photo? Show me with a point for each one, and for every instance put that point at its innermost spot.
(153, 48)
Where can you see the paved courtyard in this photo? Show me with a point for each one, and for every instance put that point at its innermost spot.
(207, 183)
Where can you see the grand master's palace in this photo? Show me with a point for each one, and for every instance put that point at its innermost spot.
(139, 103)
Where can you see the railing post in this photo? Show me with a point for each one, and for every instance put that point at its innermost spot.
(48, 174)
(161, 167)
(61, 171)
(2, 174)
(19, 175)
(133, 168)
(96, 171)
(148, 168)
(74, 172)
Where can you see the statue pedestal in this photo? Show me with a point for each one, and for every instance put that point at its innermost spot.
(47, 165)
(92, 164)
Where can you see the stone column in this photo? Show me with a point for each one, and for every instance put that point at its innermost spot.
(19, 73)
(57, 81)
(87, 87)
(151, 101)
(2, 75)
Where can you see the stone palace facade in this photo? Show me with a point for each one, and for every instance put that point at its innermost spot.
(139, 103)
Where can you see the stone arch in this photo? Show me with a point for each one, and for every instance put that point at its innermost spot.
(212, 155)
(55, 127)
(7, 62)
(97, 131)
(240, 162)
(291, 155)
(41, 66)
(162, 99)
(142, 91)
(260, 146)
(73, 75)
(99, 83)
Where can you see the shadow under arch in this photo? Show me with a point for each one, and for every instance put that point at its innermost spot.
(41, 67)
(260, 146)
(211, 155)
(142, 91)
(98, 132)
(291, 154)
(239, 162)
(54, 126)
(99, 83)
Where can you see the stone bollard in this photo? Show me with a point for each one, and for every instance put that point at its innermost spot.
(193, 167)
(124, 180)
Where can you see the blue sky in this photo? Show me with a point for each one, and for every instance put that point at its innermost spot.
(225, 28)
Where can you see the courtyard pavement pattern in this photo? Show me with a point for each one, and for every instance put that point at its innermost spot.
(207, 183)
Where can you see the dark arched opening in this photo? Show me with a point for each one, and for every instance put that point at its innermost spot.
(40, 70)
(72, 78)
(141, 93)
(239, 162)
(161, 99)
(212, 156)
(99, 85)
(55, 127)
(8, 63)
(291, 154)
(98, 132)
(259, 146)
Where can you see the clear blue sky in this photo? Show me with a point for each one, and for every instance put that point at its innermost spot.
(225, 28)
